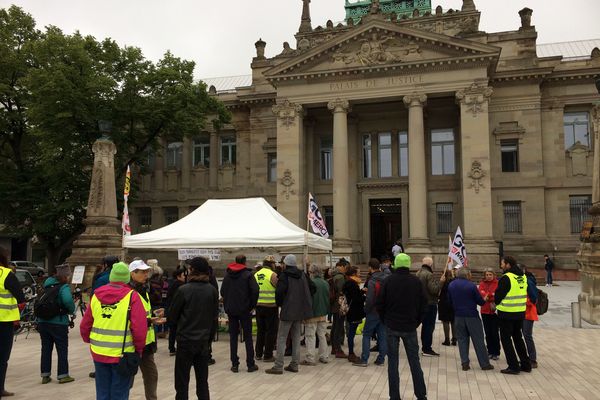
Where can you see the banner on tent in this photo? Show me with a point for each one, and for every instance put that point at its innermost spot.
(209, 254)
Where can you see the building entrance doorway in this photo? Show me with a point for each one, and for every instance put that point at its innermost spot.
(386, 225)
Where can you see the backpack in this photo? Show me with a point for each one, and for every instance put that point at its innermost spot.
(542, 302)
(344, 306)
(47, 307)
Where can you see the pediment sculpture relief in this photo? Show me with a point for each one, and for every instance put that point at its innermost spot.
(378, 49)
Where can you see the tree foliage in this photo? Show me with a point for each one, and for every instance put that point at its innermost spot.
(54, 89)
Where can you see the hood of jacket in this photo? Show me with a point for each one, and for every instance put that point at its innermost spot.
(50, 281)
(292, 272)
(427, 268)
(112, 293)
(235, 268)
(516, 270)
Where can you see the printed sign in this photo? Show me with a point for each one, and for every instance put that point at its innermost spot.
(78, 273)
(209, 254)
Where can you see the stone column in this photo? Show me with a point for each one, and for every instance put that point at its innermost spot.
(340, 109)
(159, 167)
(214, 160)
(291, 199)
(418, 241)
(186, 163)
(476, 180)
(311, 162)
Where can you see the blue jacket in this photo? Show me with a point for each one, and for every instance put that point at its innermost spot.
(100, 280)
(465, 298)
(65, 300)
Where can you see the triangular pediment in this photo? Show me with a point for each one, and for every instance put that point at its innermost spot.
(381, 44)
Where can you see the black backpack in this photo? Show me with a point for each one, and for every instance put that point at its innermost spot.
(47, 307)
(542, 302)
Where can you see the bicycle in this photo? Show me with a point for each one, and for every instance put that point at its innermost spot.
(78, 298)
(28, 320)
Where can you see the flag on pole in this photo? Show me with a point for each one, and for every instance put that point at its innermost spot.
(125, 222)
(458, 251)
(449, 260)
(315, 218)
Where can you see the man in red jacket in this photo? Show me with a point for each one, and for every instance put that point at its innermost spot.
(106, 327)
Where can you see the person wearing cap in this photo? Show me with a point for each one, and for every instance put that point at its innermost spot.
(104, 325)
(294, 297)
(317, 325)
(386, 265)
(267, 317)
(401, 305)
(139, 271)
(11, 296)
(55, 331)
(240, 295)
(194, 310)
(432, 288)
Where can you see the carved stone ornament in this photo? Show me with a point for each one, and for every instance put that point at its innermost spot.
(287, 181)
(475, 98)
(287, 112)
(339, 105)
(378, 49)
(415, 99)
(476, 174)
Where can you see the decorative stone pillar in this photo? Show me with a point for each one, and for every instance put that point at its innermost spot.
(213, 161)
(418, 241)
(186, 163)
(310, 160)
(476, 180)
(340, 110)
(291, 199)
(159, 167)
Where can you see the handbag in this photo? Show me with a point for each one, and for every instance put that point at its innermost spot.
(130, 361)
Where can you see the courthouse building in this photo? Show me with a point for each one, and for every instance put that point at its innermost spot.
(404, 122)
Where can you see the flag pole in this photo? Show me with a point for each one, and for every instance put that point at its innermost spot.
(305, 257)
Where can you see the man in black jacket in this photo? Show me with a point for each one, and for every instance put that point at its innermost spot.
(401, 305)
(240, 295)
(194, 309)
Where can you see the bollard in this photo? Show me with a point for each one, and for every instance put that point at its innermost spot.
(575, 315)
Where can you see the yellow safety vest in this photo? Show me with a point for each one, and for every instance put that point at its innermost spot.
(9, 309)
(516, 298)
(106, 338)
(150, 336)
(266, 296)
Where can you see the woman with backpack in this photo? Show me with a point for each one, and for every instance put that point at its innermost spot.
(52, 310)
(355, 298)
(531, 315)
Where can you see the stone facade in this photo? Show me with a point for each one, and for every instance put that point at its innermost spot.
(402, 128)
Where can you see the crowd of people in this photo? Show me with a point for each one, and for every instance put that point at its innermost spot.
(133, 304)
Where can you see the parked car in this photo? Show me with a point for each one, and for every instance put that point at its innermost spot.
(28, 283)
(33, 268)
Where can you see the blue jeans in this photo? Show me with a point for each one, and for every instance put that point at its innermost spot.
(54, 335)
(471, 327)
(411, 346)
(110, 384)
(350, 334)
(549, 277)
(428, 327)
(373, 324)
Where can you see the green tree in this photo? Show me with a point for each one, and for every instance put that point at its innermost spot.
(54, 89)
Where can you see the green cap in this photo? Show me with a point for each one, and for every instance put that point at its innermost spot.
(119, 273)
(402, 261)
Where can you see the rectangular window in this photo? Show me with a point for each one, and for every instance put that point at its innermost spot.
(512, 216)
(326, 158)
(328, 215)
(385, 155)
(576, 127)
(171, 215)
(144, 215)
(272, 167)
(442, 152)
(403, 154)
(174, 155)
(201, 151)
(444, 217)
(367, 173)
(510, 155)
(579, 206)
(228, 149)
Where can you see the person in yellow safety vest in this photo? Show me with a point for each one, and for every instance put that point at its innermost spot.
(104, 327)
(267, 313)
(11, 296)
(511, 301)
(140, 272)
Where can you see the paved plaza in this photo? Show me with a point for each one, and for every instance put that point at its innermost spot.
(568, 369)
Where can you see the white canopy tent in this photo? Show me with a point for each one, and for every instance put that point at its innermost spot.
(229, 224)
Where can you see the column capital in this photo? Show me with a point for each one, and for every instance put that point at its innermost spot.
(474, 98)
(415, 99)
(339, 106)
(287, 112)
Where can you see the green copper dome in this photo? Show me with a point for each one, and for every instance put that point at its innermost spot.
(360, 8)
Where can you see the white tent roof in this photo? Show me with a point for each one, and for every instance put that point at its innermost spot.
(228, 224)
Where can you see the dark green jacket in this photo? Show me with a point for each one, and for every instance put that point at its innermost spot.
(320, 299)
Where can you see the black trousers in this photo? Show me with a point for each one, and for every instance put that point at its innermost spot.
(6, 342)
(511, 332)
(188, 355)
(172, 336)
(234, 332)
(267, 323)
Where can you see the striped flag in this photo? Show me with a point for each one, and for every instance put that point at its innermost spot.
(315, 218)
(125, 222)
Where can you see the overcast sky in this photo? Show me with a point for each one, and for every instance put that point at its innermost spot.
(219, 35)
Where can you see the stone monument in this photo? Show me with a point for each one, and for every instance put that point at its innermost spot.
(102, 228)
(588, 257)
